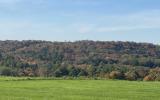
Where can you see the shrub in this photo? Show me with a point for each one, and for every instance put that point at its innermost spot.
(148, 78)
(116, 75)
(62, 71)
(154, 75)
(131, 75)
(6, 71)
(82, 73)
(58, 73)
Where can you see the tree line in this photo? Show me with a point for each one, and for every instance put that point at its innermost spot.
(114, 60)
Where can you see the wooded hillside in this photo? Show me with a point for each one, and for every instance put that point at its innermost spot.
(120, 60)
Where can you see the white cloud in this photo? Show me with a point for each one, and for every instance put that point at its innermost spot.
(139, 21)
(125, 28)
(9, 1)
(10, 28)
(84, 30)
(129, 23)
(145, 20)
(12, 5)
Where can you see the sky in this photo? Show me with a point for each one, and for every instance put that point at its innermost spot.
(71, 20)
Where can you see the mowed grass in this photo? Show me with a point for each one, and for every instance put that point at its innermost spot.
(18, 89)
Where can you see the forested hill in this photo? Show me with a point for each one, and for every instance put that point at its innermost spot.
(80, 58)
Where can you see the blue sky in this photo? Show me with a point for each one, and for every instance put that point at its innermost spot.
(70, 20)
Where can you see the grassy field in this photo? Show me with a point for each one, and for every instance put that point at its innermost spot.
(19, 89)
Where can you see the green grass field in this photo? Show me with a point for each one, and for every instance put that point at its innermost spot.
(17, 89)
